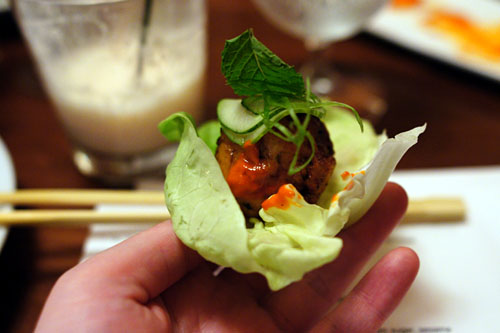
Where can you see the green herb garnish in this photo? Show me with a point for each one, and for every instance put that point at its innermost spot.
(271, 88)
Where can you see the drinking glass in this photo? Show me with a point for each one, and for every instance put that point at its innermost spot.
(114, 69)
(321, 23)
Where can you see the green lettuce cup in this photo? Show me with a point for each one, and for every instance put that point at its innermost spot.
(287, 240)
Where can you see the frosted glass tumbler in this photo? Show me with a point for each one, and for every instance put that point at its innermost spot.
(114, 70)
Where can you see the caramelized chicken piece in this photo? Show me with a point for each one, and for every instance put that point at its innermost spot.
(256, 171)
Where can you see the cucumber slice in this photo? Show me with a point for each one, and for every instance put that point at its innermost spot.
(242, 138)
(242, 125)
(256, 134)
(233, 116)
(254, 104)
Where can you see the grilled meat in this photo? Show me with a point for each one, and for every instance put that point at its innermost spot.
(256, 171)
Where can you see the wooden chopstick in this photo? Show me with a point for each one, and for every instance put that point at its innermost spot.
(77, 197)
(435, 210)
(78, 217)
(427, 210)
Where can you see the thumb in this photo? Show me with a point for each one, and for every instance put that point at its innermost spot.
(148, 262)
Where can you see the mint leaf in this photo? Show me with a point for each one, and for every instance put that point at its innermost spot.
(271, 86)
(251, 68)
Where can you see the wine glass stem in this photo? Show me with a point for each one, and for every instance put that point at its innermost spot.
(320, 72)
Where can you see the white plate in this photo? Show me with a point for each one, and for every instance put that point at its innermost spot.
(7, 183)
(406, 28)
(457, 287)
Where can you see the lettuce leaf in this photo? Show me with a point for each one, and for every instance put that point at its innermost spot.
(288, 241)
(209, 132)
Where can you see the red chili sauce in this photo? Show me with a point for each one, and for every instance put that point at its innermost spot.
(248, 175)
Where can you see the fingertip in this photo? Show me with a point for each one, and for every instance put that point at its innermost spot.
(396, 197)
(398, 270)
(390, 206)
(405, 260)
(397, 190)
(376, 296)
(380, 219)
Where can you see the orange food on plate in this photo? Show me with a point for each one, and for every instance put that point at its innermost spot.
(404, 4)
(482, 41)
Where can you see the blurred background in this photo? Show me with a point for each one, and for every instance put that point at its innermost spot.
(420, 61)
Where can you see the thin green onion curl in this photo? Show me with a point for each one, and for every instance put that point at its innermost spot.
(309, 105)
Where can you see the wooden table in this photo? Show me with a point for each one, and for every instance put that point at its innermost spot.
(462, 111)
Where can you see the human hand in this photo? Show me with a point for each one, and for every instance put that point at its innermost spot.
(152, 282)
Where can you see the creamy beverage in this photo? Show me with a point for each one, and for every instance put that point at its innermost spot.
(107, 107)
(114, 70)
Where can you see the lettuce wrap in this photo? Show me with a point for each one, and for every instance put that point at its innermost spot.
(288, 240)
(290, 236)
